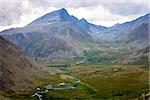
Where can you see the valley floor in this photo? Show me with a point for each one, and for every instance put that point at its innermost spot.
(95, 82)
(96, 76)
(102, 82)
(115, 82)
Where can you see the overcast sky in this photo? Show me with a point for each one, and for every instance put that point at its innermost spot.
(18, 13)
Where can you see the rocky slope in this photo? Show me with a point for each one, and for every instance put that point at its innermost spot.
(137, 57)
(18, 73)
(138, 38)
(137, 42)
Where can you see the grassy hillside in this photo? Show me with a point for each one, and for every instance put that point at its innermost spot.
(115, 82)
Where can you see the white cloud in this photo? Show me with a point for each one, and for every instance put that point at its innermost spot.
(100, 15)
(106, 13)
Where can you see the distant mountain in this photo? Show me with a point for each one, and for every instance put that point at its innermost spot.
(126, 27)
(93, 30)
(138, 38)
(54, 36)
(137, 41)
(59, 15)
(18, 73)
(119, 31)
(58, 35)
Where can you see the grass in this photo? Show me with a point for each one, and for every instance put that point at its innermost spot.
(42, 82)
(98, 82)
(101, 78)
(82, 92)
(107, 55)
(121, 82)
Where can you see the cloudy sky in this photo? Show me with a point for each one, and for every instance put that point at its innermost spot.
(18, 13)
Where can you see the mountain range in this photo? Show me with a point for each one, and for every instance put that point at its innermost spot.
(58, 36)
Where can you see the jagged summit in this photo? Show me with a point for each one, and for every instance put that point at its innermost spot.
(83, 20)
(58, 15)
(62, 10)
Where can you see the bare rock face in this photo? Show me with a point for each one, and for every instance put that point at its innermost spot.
(137, 57)
(138, 44)
(138, 38)
(17, 72)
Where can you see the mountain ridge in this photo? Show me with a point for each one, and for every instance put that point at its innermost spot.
(59, 15)
(58, 35)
